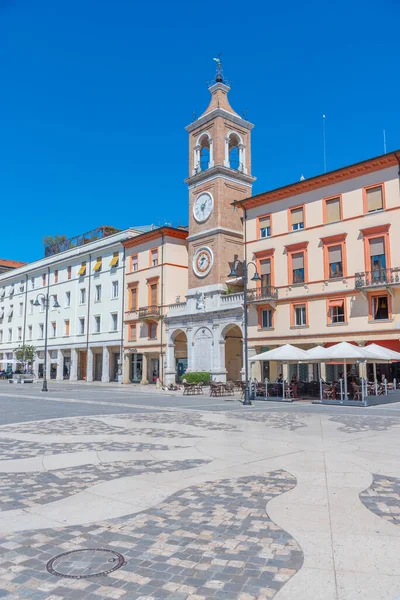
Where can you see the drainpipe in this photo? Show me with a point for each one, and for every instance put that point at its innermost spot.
(88, 313)
(26, 300)
(161, 367)
(121, 352)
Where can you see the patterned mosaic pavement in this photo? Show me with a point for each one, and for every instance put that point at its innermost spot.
(210, 541)
(383, 498)
(232, 504)
(18, 490)
(11, 449)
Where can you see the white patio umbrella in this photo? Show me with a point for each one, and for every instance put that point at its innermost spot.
(381, 350)
(285, 353)
(345, 352)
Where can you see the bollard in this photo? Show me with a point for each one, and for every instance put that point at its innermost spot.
(320, 389)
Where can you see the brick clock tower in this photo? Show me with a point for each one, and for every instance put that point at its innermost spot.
(219, 173)
(204, 334)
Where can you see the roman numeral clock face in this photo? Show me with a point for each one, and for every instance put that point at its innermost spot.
(202, 207)
(203, 261)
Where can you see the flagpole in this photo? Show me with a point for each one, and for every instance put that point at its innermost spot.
(324, 137)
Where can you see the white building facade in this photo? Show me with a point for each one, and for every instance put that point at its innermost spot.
(85, 334)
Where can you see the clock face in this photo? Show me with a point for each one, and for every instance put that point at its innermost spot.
(203, 261)
(202, 207)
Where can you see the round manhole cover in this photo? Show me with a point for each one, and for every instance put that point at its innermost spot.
(78, 564)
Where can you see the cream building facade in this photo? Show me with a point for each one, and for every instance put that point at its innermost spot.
(156, 276)
(328, 252)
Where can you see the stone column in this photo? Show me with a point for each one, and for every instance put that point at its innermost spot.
(126, 368)
(73, 376)
(89, 365)
(60, 365)
(144, 381)
(105, 368)
(170, 372)
(190, 349)
(218, 370)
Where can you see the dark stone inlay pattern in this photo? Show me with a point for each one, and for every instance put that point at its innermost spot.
(19, 490)
(207, 541)
(80, 564)
(354, 424)
(383, 498)
(182, 418)
(288, 421)
(11, 449)
(78, 426)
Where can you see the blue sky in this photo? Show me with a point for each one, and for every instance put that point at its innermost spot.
(95, 96)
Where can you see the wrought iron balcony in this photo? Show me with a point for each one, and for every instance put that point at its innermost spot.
(377, 278)
(149, 313)
(268, 292)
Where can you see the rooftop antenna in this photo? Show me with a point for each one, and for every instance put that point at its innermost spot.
(324, 136)
(384, 141)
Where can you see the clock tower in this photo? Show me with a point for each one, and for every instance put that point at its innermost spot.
(204, 333)
(219, 173)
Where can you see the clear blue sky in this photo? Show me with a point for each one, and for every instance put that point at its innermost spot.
(95, 96)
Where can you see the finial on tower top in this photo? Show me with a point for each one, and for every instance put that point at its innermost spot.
(219, 78)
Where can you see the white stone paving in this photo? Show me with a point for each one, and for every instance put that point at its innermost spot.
(349, 552)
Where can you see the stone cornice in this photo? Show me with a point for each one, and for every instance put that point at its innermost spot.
(214, 231)
(219, 170)
(219, 112)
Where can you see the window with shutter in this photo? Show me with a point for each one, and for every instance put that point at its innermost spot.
(265, 226)
(332, 213)
(297, 218)
(265, 272)
(335, 261)
(298, 267)
(374, 197)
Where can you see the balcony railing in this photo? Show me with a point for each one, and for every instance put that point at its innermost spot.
(378, 277)
(262, 293)
(149, 312)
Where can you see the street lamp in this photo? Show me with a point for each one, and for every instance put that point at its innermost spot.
(256, 277)
(46, 298)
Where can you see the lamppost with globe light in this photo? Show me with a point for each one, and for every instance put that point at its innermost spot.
(256, 277)
(46, 298)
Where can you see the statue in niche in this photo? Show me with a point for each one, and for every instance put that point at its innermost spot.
(201, 301)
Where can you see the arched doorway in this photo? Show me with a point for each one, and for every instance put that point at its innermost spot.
(233, 352)
(180, 353)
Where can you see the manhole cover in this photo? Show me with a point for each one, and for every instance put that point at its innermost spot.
(78, 564)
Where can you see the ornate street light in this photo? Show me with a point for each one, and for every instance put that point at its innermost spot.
(256, 277)
(46, 298)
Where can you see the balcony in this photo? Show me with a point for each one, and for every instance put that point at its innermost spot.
(260, 294)
(149, 313)
(379, 278)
